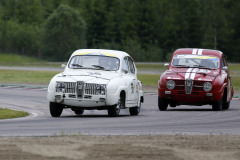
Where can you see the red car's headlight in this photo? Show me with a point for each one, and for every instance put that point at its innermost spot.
(207, 86)
(170, 84)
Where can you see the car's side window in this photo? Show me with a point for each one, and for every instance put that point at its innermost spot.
(131, 65)
(125, 64)
(225, 61)
(222, 63)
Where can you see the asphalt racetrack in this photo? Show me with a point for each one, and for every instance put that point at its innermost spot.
(192, 120)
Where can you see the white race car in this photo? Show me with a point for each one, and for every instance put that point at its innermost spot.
(96, 79)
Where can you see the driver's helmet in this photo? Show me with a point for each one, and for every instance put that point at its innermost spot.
(108, 63)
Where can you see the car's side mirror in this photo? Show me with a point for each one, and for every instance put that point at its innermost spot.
(166, 65)
(63, 65)
(225, 68)
(124, 71)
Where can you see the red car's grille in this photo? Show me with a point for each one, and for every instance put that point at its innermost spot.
(180, 92)
(180, 87)
(179, 84)
(195, 93)
(197, 88)
(198, 85)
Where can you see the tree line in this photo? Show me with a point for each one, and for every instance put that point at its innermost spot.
(149, 30)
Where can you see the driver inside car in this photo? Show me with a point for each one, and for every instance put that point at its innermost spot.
(108, 63)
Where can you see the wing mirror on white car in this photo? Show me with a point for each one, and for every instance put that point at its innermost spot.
(63, 65)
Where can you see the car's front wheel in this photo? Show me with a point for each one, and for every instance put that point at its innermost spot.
(217, 106)
(162, 104)
(135, 110)
(78, 111)
(55, 109)
(226, 105)
(114, 110)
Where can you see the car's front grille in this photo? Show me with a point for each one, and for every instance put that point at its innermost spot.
(180, 92)
(90, 89)
(67, 87)
(188, 86)
(194, 87)
(70, 87)
(179, 84)
(79, 89)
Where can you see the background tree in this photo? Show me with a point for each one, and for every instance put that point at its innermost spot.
(64, 32)
(147, 30)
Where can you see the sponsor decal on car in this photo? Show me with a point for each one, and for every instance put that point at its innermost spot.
(96, 54)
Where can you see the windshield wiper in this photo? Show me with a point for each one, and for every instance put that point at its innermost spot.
(201, 66)
(100, 67)
(180, 65)
(78, 65)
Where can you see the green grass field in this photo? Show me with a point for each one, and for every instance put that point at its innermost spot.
(150, 66)
(17, 60)
(43, 77)
(8, 114)
(26, 77)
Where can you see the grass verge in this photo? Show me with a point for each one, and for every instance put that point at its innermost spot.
(19, 60)
(150, 66)
(44, 77)
(26, 77)
(8, 114)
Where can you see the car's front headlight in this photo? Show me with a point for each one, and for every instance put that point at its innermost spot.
(170, 84)
(60, 87)
(100, 89)
(207, 86)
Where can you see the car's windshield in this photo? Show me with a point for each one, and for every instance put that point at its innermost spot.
(198, 61)
(94, 62)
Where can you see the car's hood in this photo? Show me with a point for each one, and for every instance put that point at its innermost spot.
(87, 76)
(192, 73)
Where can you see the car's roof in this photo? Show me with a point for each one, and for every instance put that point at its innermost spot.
(198, 51)
(101, 52)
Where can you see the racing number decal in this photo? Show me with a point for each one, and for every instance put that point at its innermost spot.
(132, 87)
(137, 88)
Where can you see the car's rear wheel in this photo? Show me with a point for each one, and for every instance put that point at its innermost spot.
(55, 109)
(162, 104)
(114, 110)
(217, 106)
(135, 110)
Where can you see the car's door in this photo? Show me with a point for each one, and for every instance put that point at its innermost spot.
(130, 77)
(227, 76)
(133, 74)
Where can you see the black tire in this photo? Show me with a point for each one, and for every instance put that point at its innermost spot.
(78, 111)
(113, 111)
(226, 105)
(217, 106)
(134, 111)
(162, 104)
(55, 109)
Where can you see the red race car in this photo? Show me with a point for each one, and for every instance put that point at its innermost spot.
(196, 77)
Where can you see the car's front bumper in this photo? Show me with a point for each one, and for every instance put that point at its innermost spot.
(181, 97)
(84, 101)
